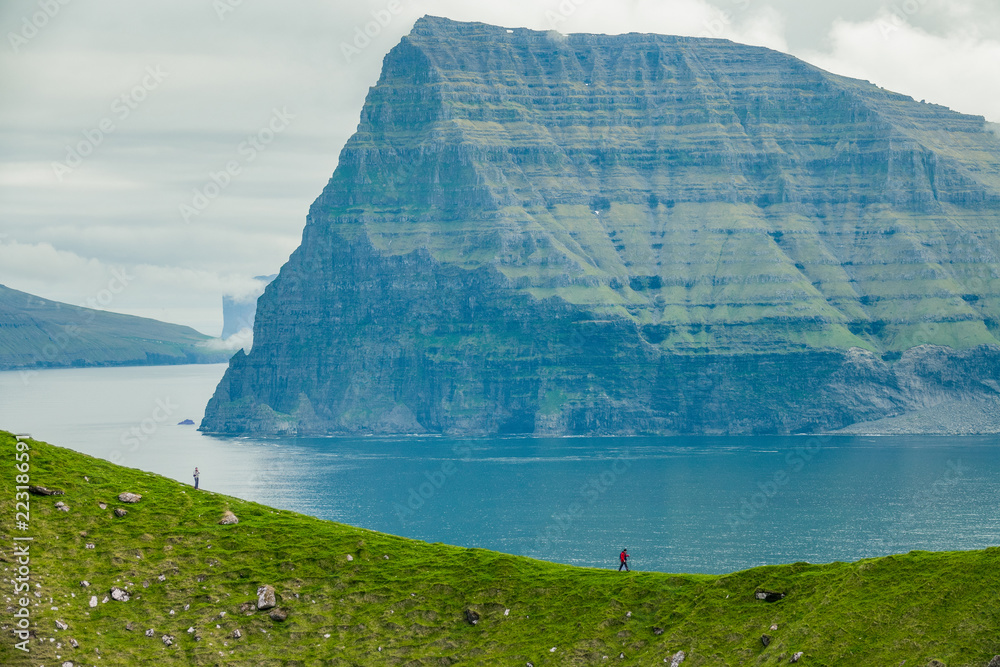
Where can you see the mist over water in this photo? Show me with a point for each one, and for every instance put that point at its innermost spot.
(682, 504)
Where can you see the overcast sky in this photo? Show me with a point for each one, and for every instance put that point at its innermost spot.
(159, 95)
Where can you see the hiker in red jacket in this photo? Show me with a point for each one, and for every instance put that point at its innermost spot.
(623, 557)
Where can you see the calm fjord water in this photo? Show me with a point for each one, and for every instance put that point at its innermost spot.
(684, 504)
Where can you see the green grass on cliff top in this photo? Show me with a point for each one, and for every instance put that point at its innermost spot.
(884, 611)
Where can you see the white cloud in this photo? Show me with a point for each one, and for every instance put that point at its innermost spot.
(957, 70)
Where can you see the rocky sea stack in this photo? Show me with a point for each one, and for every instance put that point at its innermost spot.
(589, 234)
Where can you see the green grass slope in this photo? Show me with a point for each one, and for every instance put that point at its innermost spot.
(39, 333)
(403, 602)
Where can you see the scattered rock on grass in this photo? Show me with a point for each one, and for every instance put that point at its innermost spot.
(61, 506)
(657, 631)
(768, 596)
(103, 506)
(765, 639)
(84, 583)
(350, 557)
(128, 497)
(995, 662)
(248, 608)
(130, 626)
(774, 626)
(237, 634)
(89, 545)
(163, 577)
(119, 512)
(67, 664)
(228, 519)
(61, 625)
(265, 597)
(278, 615)
(119, 594)
(472, 616)
(167, 640)
(676, 659)
(43, 491)
(150, 633)
(935, 663)
(93, 600)
(73, 643)
(796, 657)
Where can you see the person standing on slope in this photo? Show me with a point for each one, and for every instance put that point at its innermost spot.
(196, 475)
(623, 557)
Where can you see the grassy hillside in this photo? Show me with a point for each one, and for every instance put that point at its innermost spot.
(402, 602)
(38, 333)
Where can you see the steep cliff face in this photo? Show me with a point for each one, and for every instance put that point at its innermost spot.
(538, 233)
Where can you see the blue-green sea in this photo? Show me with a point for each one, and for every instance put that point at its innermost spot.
(679, 504)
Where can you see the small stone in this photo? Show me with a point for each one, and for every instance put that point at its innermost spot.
(150, 633)
(43, 491)
(774, 626)
(73, 643)
(265, 597)
(795, 658)
(506, 612)
(628, 614)
(386, 558)
(67, 664)
(145, 584)
(93, 600)
(278, 615)
(186, 607)
(162, 577)
(657, 631)
(621, 656)
(237, 634)
(768, 596)
(61, 625)
(119, 512)
(127, 497)
(472, 616)
(130, 626)
(119, 594)
(765, 639)
(105, 600)
(167, 640)
(103, 506)
(222, 614)
(677, 658)
(248, 608)
(228, 519)
(84, 583)
(350, 557)
(89, 545)
(191, 630)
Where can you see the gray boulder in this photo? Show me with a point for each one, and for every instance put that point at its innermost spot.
(119, 512)
(127, 497)
(228, 519)
(119, 594)
(265, 597)
(768, 596)
(278, 615)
